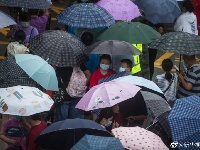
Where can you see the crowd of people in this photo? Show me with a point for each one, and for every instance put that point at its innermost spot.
(21, 132)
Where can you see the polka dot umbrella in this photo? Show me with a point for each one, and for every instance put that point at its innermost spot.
(138, 138)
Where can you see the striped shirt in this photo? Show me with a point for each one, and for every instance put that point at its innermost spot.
(192, 76)
(163, 84)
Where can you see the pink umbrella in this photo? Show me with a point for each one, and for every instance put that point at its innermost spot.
(120, 9)
(107, 94)
(134, 138)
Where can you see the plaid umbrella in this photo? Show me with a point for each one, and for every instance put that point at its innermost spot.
(13, 75)
(85, 15)
(113, 47)
(131, 32)
(157, 104)
(65, 134)
(178, 42)
(184, 120)
(90, 142)
(60, 48)
(31, 4)
(6, 20)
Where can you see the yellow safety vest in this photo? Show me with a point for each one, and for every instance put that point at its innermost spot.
(136, 59)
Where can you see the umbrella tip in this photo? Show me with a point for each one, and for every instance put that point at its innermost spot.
(47, 60)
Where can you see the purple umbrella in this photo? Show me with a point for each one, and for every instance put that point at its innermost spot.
(120, 9)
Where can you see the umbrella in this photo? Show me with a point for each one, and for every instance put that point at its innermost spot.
(138, 138)
(113, 47)
(159, 11)
(139, 81)
(60, 48)
(6, 20)
(90, 142)
(184, 120)
(63, 135)
(85, 15)
(133, 33)
(30, 4)
(157, 104)
(179, 42)
(24, 100)
(13, 75)
(43, 73)
(107, 94)
(120, 9)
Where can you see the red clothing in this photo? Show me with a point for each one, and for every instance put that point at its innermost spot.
(50, 93)
(116, 118)
(97, 75)
(196, 4)
(33, 134)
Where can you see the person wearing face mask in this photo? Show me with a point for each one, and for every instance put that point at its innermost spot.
(105, 117)
(14, 132)
(126, 65)
(103, 71)
(189, 83)
(25, 26)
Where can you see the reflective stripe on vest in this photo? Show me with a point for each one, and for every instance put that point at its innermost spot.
(136, 59)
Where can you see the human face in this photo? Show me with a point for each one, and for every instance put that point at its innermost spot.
(160, 30)
(104, 64)
(124, 65)
(105, 61)
(25, 24)
(115, 109)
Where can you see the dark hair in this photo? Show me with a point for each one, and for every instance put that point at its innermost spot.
(36, 116)
(56, 28)
(188, 5)
(87, 38)
(20, 36)
(159, 25)
(25, 16)
(128, 62)
(167, 65)
(105, 113)
(105, 56)
(33, 11)
(189, 58)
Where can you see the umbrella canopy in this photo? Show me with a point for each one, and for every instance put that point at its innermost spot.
(139, 81)
(113, 47)
(120, 9)
(60, 48)
(13, 75)
(24, 101)
(133, 33)
(164, 11)
(91, 142)
(157, 104)
(184, 120)
(85, 15)
(43, 73)
(30, 4)
(178, 42)
(6, 20)
(107, 94)
(65, 134)
(138, 138)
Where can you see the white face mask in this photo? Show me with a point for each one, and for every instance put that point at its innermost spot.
(122, 69)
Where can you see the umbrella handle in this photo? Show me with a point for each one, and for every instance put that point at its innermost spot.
(180, 59)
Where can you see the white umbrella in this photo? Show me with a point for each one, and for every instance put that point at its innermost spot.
(23, 101)
(6, 20)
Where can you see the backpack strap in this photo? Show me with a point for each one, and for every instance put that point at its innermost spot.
(169, 85)
(31, 33)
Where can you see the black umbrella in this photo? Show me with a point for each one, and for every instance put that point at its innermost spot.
(12, 74)
(60, 48)
(31, 4)
(63, 135)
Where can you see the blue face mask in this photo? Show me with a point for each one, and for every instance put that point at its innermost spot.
(18, 118)
(122, 69)
(108, 124)
(104, 67)
(25, 24)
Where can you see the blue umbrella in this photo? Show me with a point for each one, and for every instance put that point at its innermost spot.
(90, 142)
(184, 120)
(39, 70)
(65, 134)
(159, 11)
(85, 15)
